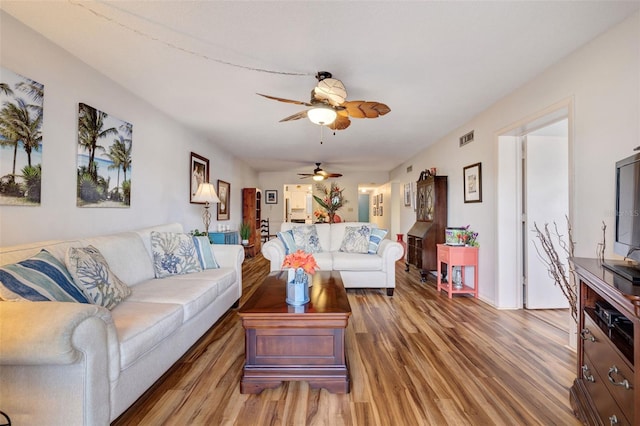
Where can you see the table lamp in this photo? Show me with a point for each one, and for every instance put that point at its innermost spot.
(206, 194)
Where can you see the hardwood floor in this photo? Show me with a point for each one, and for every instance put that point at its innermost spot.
(416, 358)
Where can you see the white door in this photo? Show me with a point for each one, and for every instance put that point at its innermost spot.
(545, 201)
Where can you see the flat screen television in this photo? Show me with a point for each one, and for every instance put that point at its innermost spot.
(627, 230)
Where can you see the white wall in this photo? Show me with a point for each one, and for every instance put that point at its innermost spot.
(161, 150)
(603, 78)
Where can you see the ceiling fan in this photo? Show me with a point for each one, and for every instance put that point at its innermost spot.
(329, 107)
(319, 174)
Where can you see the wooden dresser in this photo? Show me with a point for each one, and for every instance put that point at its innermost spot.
(604, 392)
(431, 221)
(251, 206)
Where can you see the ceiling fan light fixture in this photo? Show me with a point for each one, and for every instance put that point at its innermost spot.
(318, 178)
(322, 115)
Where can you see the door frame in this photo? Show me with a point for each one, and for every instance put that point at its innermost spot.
(509, 292)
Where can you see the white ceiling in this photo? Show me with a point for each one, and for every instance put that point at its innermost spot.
(436, 64)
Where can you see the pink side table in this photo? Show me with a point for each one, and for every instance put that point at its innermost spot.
(457, 256)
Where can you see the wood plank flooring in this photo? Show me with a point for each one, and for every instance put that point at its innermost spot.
(416, 358)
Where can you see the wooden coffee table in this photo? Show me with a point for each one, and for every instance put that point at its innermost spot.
(284, 342)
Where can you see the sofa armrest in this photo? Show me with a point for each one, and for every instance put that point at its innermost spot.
(228, 255)
(274, 251)
(57, 348)
(390, 251)
(36, 333)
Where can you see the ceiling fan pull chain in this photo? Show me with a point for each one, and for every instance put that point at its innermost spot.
(321, 126)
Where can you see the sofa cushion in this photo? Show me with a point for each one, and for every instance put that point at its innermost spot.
(338, 230)
(193, 292)
(306, 238)
(142, 326)
(39, 278)
(92, 274)
(126, 255)
(356, 262)
(173, 254)
(204, 252)
(377, 235)
(324, 260)
(356, 239)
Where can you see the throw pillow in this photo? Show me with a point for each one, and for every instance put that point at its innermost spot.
(91, 272)
(306, 238)
(377, 235)
(356, 239)
(40, 278)
(173, 254)
(289, 243)
(204, 252)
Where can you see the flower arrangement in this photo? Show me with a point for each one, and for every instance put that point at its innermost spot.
(332, 199)
(468, 237)
(300, 259)
(321, 215)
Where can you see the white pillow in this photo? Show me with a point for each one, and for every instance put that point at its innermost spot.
(173, 254)
(356, 239)
(306, 239)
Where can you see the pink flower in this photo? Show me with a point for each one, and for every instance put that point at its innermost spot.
(300, 259)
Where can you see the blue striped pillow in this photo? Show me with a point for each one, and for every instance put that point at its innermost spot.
(204, 253)
(40, 278)
(377, 235)
(289, 243)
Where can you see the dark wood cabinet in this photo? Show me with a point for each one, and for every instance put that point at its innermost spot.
(429, 228)
(251, 214)
(603, 392)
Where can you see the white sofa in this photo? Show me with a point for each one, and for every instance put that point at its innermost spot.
(67, 363)
(358, 270)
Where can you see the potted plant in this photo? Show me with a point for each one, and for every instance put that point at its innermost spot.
(245, 233)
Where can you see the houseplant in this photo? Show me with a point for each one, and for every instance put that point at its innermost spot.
(332, 199)
(245, 233)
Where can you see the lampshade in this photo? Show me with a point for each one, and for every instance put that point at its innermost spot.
(322, 115)
(206, 193)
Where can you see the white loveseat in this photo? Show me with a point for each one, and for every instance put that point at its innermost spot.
(358, 270)
(65, 363)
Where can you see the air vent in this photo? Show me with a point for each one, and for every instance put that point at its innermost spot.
(466, 138)
(409, 169)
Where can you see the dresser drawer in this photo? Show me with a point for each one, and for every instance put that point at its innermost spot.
(613, 370)
(610, 413)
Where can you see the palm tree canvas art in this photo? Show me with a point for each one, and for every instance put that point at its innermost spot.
(104, 159)
(20, 139)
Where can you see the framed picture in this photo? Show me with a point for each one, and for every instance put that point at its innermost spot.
(271, 196)
(380, 199)
(407, 194)
(380, 211)
(413, 196)
(224, 193)
(199, 167)
(375, 211)
(473, 183)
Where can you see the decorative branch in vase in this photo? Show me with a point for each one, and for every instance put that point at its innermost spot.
(332, 199)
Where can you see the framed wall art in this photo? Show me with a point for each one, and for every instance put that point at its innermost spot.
(271, 196)
(473, 183)
(407, 194)
(199, 167)
(224, 193)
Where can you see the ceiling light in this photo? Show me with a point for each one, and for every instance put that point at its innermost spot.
(322, 115)
(318, 178)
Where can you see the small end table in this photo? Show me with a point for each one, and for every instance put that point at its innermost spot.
(249, 250)
(457, 256)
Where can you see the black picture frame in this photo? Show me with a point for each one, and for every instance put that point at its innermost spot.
(472, 178)
(199, 173)
(271, 196)
(224, 194)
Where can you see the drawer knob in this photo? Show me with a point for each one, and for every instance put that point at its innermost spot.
(613, 420)
(583, 335)
(624, 382)
(586, 374)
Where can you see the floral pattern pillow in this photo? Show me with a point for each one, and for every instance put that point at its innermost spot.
(92, 274)
(306, 239)
(173, 254)
(356, 239)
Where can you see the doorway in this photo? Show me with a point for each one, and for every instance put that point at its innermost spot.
(534, 158)
(363, 207)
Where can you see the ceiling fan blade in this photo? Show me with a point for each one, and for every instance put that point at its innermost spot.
(334, 175)
(366, 109)
(331, 90)
(341, 122)
(296, 116)
(289, 101)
